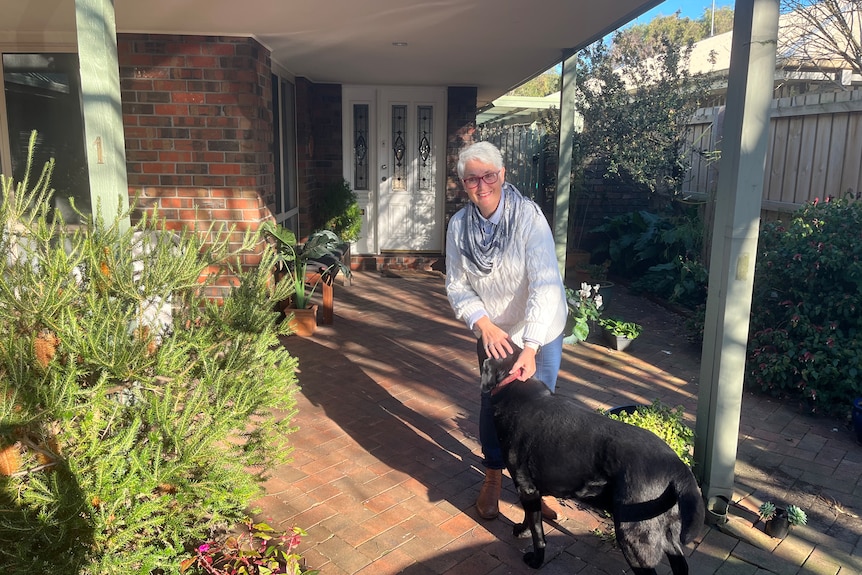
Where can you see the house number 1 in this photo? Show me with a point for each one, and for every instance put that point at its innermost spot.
(100, 159)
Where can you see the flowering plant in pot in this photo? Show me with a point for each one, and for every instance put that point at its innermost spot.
(585, 307)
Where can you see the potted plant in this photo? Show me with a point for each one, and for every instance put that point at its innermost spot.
(585, 307)
(661, 419)
(292, 266)
(778, 520)
(618, 333)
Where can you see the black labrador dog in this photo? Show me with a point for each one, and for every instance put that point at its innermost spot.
(554, 446)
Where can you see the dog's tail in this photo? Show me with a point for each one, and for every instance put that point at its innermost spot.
(691, 508)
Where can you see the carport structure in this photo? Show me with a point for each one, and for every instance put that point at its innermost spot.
(289, 86)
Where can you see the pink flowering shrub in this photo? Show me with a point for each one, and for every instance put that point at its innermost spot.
(806, 320)
(259, 550)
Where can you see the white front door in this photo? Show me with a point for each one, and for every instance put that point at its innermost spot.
(395, 157)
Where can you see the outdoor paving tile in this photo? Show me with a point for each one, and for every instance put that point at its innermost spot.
(820, 563)
(704, 563)
(458, 525)
(355, 534)
(478, 563)
(344, 555)
(449, 556)
(764, 559)
(388, 416)
(385, 542)
(386, 519)
(735, 566)
(394, 562)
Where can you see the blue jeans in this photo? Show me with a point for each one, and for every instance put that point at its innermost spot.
(547, 367)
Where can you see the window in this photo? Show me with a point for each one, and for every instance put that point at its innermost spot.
(43, 93)
(284, 152)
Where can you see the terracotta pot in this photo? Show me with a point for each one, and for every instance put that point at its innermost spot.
(303, 322)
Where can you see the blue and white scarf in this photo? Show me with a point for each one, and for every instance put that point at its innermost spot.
(482, 252)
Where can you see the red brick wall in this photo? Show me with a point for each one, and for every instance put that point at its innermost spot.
(198, 129)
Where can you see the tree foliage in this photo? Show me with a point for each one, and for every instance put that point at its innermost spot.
(646, 40)
(540, 86)
(636, 112)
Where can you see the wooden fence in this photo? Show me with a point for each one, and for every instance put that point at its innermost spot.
(526, 157)
(814, 150)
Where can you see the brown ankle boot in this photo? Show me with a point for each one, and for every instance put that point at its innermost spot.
(488, 503)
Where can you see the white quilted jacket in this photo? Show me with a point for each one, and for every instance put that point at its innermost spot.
(524, 293)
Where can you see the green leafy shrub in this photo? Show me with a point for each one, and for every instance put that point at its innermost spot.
(806, 325)
(681, 281)
(636, 122)
(620, 328)
(337, 210)
(636, 241)
(137, 416)
(665, 422)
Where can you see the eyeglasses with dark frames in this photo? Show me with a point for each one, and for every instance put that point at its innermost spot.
(489, 178)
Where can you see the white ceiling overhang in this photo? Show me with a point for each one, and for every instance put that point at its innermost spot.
(493, 45)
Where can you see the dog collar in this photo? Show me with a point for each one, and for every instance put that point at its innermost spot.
(512, 377)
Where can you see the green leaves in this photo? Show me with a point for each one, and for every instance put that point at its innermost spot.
(806, 323)
(636, 111)
(665, 422)
(138, 406)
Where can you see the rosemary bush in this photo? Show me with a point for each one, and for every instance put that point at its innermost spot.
(136, 416)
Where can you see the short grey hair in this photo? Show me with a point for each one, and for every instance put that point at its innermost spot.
(484, 152)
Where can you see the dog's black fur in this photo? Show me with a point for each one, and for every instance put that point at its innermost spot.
(554, 446)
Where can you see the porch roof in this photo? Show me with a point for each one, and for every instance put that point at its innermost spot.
(494, 45)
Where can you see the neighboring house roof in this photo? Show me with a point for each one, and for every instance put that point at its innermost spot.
(494, 45)
(796, 53)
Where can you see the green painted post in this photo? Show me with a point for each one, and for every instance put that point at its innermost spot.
(103, 115)
(734, 248)
(564, 162)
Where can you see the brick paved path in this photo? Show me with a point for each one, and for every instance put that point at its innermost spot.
(386, 465)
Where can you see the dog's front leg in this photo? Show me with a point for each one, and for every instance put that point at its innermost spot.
(533, 519)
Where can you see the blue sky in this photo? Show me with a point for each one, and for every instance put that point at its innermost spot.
(688, 8)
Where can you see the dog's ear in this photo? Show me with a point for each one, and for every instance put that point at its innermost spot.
(489, 375)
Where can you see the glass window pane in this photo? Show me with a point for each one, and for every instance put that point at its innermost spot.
(288, 120)
(43, 93)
